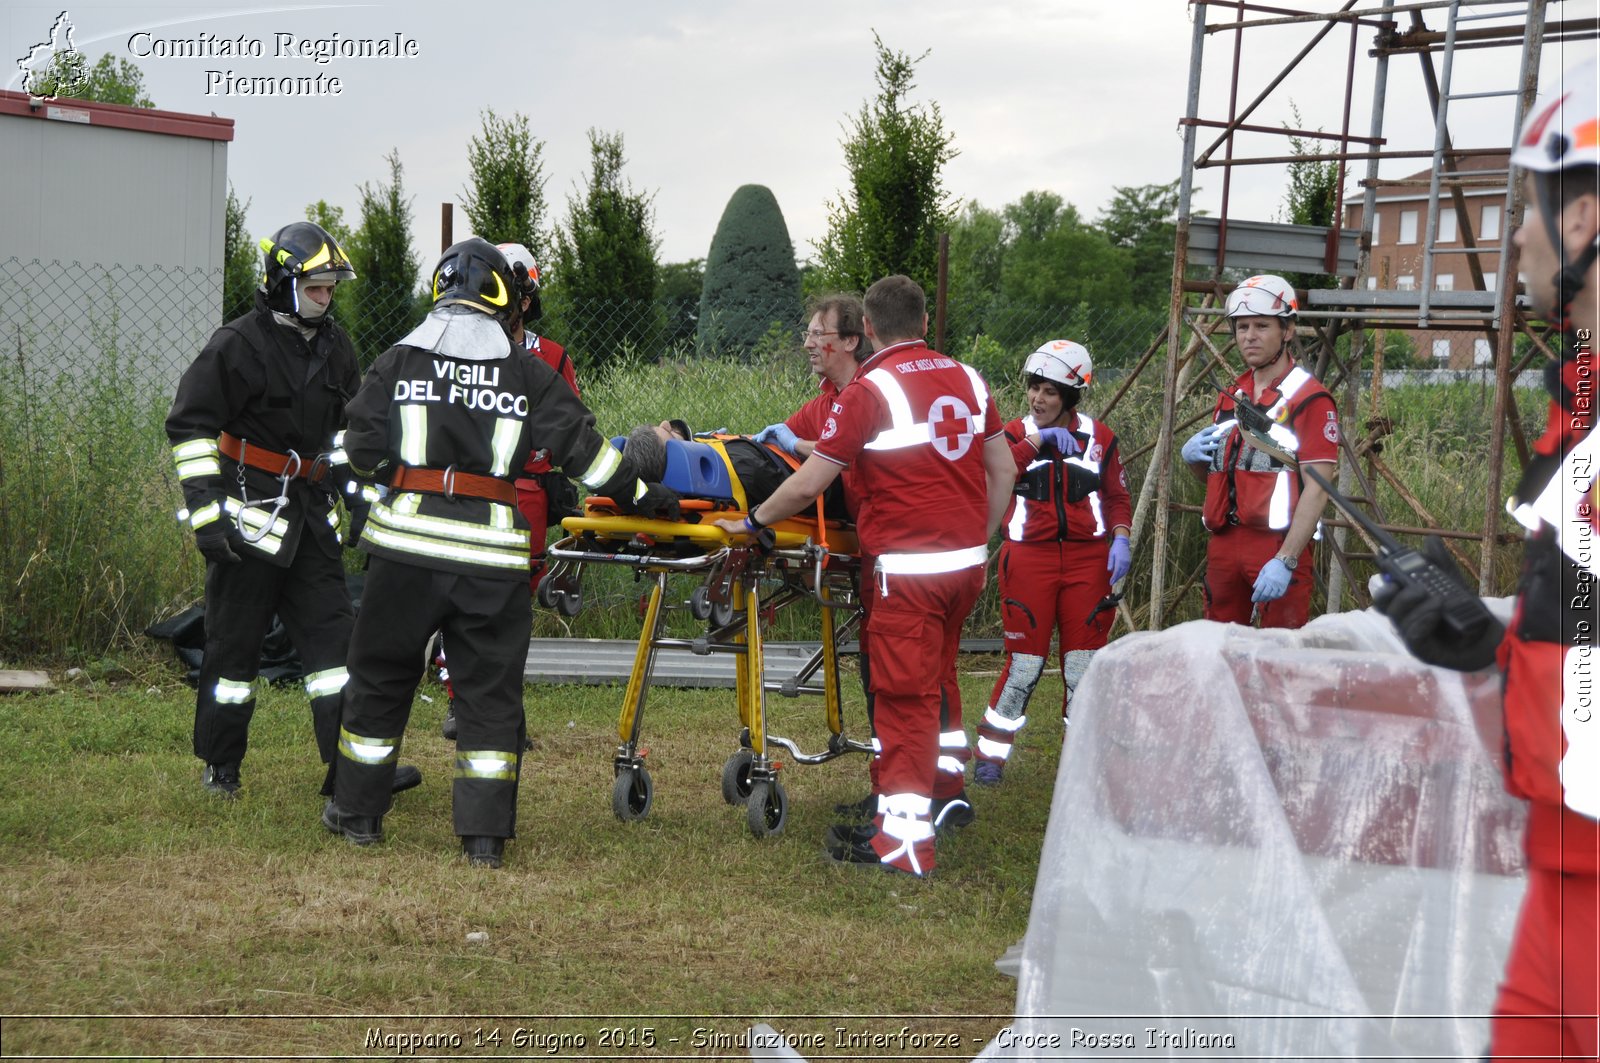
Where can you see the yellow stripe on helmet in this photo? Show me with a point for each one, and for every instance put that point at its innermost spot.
(500, 286)
(323, 256)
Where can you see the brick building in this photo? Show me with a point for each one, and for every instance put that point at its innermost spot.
(1400, 228)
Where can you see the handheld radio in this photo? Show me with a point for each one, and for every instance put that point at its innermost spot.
(1257, 425)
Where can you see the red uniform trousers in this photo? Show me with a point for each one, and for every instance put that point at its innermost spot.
(915, 628)
(1045, 587)
(1234, 557)
(1547, 1004)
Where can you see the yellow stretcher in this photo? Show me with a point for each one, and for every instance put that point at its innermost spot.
(742, 585)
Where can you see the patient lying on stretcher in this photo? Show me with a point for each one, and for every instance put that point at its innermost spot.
(730, 469)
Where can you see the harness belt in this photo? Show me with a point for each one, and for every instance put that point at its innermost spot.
(289, 466)
(453, 484)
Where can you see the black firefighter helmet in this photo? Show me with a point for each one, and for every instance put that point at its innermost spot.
(475, 273)
(299, 252)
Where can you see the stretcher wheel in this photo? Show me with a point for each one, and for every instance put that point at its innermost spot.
(768, 808)
(700, 602)
(545, 593)
(569, 603)
(721, 614)
(736, 777)
(632, 795)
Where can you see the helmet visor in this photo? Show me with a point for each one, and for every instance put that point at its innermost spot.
(1260, 301)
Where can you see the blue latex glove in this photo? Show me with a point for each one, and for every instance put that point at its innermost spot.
(780, 436)
(1121, 558)
(1271, 582)
(1061, 439)
(1203, 445)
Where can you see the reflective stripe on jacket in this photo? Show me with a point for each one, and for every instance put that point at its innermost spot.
(263, 383)
(1247, 486)
(424, 409)
(1053, 519)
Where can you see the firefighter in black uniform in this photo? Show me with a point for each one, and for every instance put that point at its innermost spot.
(252, 430)
(445, 420)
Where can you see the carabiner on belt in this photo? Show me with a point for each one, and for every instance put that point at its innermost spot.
(290, 470)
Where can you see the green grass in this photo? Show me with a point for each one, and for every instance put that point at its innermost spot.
(131, 892)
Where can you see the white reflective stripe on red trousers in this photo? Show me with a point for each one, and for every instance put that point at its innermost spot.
(933, 562)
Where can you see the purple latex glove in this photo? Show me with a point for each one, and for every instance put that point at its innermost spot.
(1121, 558)
(1060, 438)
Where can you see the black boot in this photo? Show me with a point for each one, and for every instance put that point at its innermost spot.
(222, 780)
(482, 851)
(360, 830)
(951, 813)
(858, 811)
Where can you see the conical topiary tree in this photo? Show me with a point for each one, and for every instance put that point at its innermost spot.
(751, 279)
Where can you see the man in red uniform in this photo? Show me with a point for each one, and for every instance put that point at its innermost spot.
(538, 475)
(1549, 999)
(921, 433)
(835, 346)
(1065, 544)
(1261, 514)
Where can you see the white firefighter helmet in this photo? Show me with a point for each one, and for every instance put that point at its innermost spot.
(1264, 295)
(1062, 362)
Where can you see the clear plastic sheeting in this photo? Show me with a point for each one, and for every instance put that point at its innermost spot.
(1274, 845)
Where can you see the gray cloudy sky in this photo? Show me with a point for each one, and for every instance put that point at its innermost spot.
(1072, 96)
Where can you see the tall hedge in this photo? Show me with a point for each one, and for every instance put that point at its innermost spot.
(751, 279)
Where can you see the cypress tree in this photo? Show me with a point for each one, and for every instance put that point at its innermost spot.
(751, 279)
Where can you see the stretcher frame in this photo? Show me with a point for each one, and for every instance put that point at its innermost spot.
(732, 571)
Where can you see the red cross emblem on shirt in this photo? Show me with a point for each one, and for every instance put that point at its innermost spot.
(951, 424)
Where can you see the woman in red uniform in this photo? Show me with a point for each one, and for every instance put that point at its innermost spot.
(1065, 543)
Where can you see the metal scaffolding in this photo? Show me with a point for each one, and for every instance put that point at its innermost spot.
(1195, 339)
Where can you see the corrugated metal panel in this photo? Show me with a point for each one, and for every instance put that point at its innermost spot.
(115, 196)
(596, 661)
(1269, 246)
(125, 225)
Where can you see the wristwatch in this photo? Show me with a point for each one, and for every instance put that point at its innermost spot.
(1288, 562)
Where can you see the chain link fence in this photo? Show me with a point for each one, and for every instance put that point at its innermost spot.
(68, 320)
(89, 357)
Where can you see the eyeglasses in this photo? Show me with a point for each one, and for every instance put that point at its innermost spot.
(817, 334)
